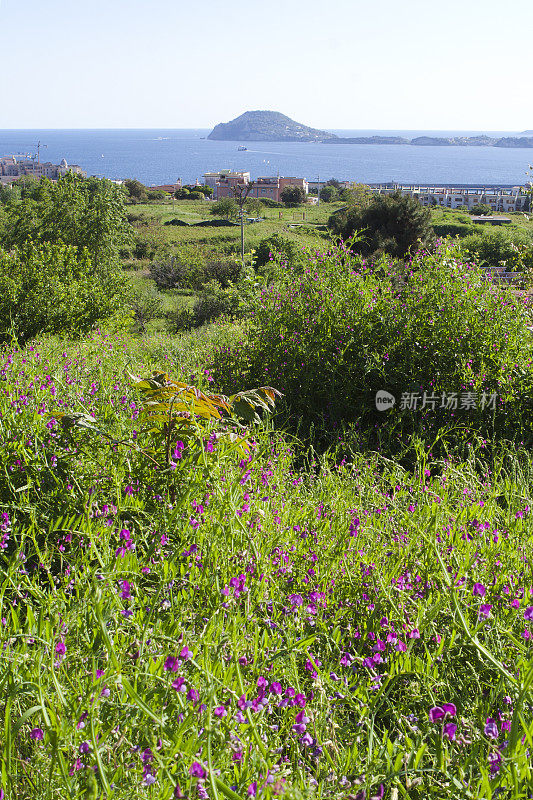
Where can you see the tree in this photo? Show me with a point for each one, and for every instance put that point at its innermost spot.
(334, 182)
(253, 206)
(136, 190)
(481, 210)
(391, 223)
(359, 195)
(292, 195)
(226, 207)
(77, 211)
(55, 288)
(328, 193)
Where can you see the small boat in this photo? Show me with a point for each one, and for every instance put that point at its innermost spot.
(242, 147)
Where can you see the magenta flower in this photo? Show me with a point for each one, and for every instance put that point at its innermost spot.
(179, 685)
(440, 712)
(172, 664)
(196, 770)
(219, 711)
(528, 613)
(436, 713)
(84, 747)
(449, 731)
(252, 789)
(484, 610)
(61, 649)
(479, 590)
(491, 728)
(193, 695)
(37, 733)
(186, 654)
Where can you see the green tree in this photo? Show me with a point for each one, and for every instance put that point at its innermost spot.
(292, 195)
(253, 206)
(55, 288)
(328, 193)
(81, 212)
(391, 223)
(226, 207)
(136, 190)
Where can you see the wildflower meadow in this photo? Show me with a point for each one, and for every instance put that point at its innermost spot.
(279, 591)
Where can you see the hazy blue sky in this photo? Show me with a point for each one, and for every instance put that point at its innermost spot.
(449, 64)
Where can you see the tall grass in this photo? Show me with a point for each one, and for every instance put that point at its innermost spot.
(348, 630)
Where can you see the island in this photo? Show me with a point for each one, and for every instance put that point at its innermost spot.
(438, 141)
(267, 126)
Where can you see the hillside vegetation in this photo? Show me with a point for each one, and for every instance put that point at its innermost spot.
(224, 571)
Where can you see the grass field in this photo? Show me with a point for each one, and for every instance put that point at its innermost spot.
(287, 222)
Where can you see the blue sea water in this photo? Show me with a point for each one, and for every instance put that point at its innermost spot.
(161, 156)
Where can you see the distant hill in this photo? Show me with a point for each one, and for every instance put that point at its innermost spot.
(369, 140)
(440, 141)
(267, 126)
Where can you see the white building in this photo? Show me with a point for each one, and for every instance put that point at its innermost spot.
(499, 198)
(18, 166)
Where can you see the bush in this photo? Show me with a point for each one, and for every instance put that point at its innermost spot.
(276, 245)
(223, 272)
(330, 338)
(393, 223)
(293, 195)
(443, 229)
(146, 304)
(328, 194)
(136, 190)
(226, 207)
(183, 271)
(55, 288)
(512, 249)
(157, 194)
(269, 203)
(481, 210)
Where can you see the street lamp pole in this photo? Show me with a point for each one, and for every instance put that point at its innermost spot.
(241, 192)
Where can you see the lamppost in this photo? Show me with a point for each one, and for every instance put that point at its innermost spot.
(241, 192)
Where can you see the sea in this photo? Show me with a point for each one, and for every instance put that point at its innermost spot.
(161, 156)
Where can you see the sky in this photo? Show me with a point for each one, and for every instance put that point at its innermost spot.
(335, 64)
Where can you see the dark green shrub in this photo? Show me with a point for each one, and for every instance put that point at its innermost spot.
(55, 288)
(274, 246)
(328, 194)
(292, 195)
(395, 224)
(223, 272)
(481, 210)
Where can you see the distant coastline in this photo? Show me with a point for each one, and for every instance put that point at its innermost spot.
(439, 141)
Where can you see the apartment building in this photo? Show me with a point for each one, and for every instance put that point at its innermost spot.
(18, 166)
(499, 198)
(224, 184)
(227, 179)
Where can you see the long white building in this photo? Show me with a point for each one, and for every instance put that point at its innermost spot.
(499, 198)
